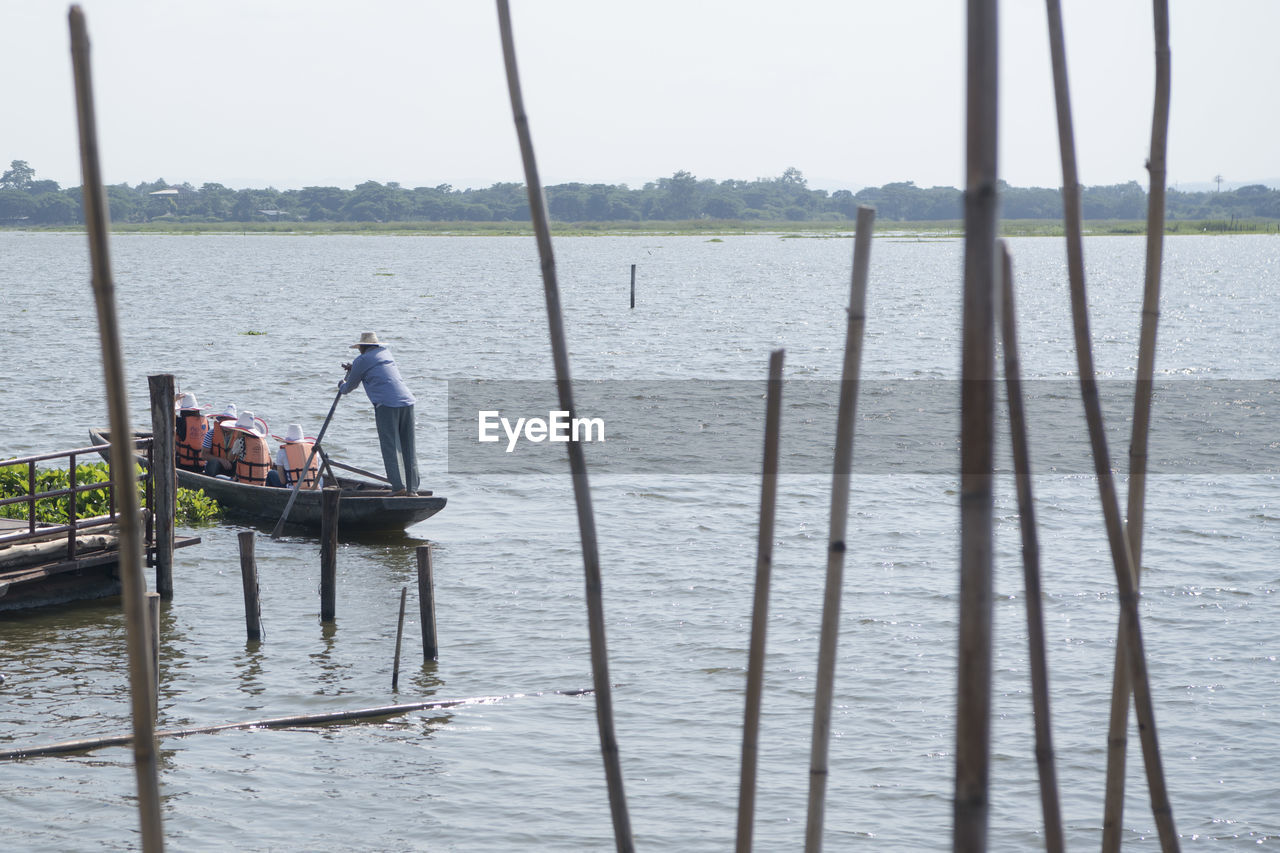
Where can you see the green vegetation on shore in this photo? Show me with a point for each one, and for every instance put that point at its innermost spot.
(681, 204)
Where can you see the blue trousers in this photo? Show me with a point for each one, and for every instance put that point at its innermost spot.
(395, 435)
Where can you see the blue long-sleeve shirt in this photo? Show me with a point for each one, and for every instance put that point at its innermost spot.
(382, 382)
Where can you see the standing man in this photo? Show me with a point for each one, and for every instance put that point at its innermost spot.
(392, 409)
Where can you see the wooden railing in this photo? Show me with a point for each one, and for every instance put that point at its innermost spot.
(75, 525)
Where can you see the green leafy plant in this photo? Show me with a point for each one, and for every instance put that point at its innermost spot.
(194, 507)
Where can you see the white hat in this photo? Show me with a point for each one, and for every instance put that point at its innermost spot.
(294, 433)
(230, 411)
(188, 401)
(249, 423)
(367, 339)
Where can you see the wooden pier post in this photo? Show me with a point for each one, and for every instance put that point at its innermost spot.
(165, 494)
(153, 638)
(249, 578)
(395, 671)
(633, 285)
(328, 551)
(427, 603)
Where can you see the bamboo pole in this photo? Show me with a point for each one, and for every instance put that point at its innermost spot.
(1049, 802)
(577, 460)
(1116, 538)
(760, 605)
(330, 496)
(1122, 684)
(977, 435)
(87, 744)
(133, 585)
(842, 468)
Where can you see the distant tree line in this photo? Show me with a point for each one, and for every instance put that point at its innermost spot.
(24, 200)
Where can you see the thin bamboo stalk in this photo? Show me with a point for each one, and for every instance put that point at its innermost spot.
(84, 745)
(1122, 684)
(133, 585)
(977, 435)
(1049, 802)
(842, 467)
(1116, 538)
(760, 605)
(577, 460)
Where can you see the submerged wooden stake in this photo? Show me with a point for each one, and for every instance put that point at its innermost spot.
(1122, 684)
(977, 435)
(1121, 558)
(842, 468)
(577, 460)
(133, 585)
(1054, 840)
(760, 605)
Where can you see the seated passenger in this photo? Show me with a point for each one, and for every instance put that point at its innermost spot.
(214, 452)
(192, 427)
(247, 452)
(293, 455)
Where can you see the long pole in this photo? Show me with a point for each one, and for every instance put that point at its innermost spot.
(577, 460)
(1121, 558)
(977, 435)
(133, 585)
(1122, 684)
(760, 605)
(165, 477)
(315, 448)
(842, 467)
(1054, 840)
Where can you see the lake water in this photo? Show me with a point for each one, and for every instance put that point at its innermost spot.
(677, 550)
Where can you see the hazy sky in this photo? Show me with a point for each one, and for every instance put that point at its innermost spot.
(854, 93)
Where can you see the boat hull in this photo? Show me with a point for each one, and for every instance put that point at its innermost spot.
(363, 507)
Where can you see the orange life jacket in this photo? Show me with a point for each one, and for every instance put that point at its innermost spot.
(191, 428)
(297, 452)
(249, 453)
(221, 429)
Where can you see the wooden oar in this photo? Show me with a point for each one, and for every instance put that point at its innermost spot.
(353, 469)
(315, 448)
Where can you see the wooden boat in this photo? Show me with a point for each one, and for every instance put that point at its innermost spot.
(365, 506)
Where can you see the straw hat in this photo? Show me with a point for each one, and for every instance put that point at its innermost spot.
(249, 423)
(367, 339)
(230, 411)
(188, 401)
(294, 433)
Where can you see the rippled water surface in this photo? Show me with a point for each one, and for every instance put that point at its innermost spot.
(678, 556)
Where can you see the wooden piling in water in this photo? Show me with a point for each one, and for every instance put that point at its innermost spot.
(633, 285)
(427, 603)
(395, 671)
(249, 580)
(133, 584)
(328, 552)
(760, 606)
(164, 495)
(153, 640)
